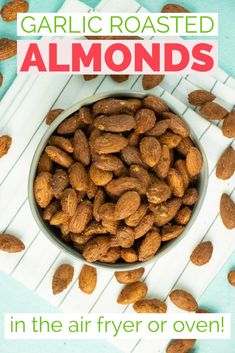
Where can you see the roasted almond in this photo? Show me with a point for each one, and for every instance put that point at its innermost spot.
(181, 346)
(70, 125)
(126, 205)
(129, 255)
(159, 128)
(150, 306)
(124, 237)
(131, 155)
(194, 161)
(109, 106)
(171, 232)
(10, 244)
(231, 277)
(166, 211)
(150, 150)
(52, 115)
(112, 255)
(201, 255)
(12, 8)
(158, 191)
(59, 218)
(78, 177)
(183, 300)
(133, 292)
(119, 78)
(42, 189)
(45, 164)
(69, 201)
(50, 210)
(62, 143)
(134, 219)
(200, 97)
(109, 163)
(81, 217)
(128, 277)
(58, 156)
(5, 144)
(59, 182)
(99, 177)
(115, 123)
(145, 120)
(162, 167)
(184, 146)
(87, 279)
(149, 246)
(118, 186)
(213, 111)
(170, 139)
(8, 48)
(227, 211)
(228, 127)
(190, 197)
(183, 216)
(62, 278)
(156, 104)
(81, 147)
(226, 164)
(96, 248)
(144, 226)
(98, 201)
(109, 143)
(151, 81)
(174, 8)
(181, 168)
(139, 172)
(175, 182)
(176, 124)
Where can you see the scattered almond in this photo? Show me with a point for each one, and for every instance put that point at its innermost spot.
(62, 278)
(200, 97)
(52, 115)
(213, 111)
(201, 255)
(231, 277)
(12, 8)
(133, 292)
(87, 279)
(150, 306)
(226, 164)
(227, 211)
(127, 277)
(8, 48)
(10, 243)
(183, 300)
(5, 144)
(151, 81)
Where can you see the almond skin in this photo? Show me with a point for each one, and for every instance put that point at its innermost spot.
(150, 150)
(133, 292)
(150, 306)
(109, 106)
(158, 191)
(228, 128)
(5, 144)
(226, 164)
(128, 277)
(144, 226)
(8, 48)
(78, 177)
(12, 8)
(58, 156)
(200, 97)
(69, 201)
(171, 232)
(151, 81)
(81, 217)
(145, 120)
(42, 189)
(231, 277)
(166, 211)
(213, 111)
(201, 255)
(11, 244)
(181, 346)
(183, 216)
(52, 115)
(62, 277)
(149, 246)
(183, 300)
(227, 211)
(156, 104)
(87, 279)
(129, 255)
(109, 143)
(115, 123)
(81, 148)
(100, 177)
(62, 143)
(59, 182)
(190, 196)
(194, 161)
(127, 204)
(175, 182)
(174, 8)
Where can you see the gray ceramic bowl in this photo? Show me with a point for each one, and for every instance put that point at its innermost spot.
(203, 181)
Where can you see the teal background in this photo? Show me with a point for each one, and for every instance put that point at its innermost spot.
(219, 296)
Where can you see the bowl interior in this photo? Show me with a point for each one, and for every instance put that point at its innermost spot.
(49, 232)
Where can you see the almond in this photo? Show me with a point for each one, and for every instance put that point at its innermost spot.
(61, 142)
(109, 143)
(81, 147)
(183, 300)
(126, 205)
(150, 306)
(156, 104)
(176, 124)
(134, 219)
(8, 48)
(52, 115)
(144, 226)
(139, 172)
(112, 255)
(201, 255)
(190, 197)
(1, 79)
(227, 211)
(181, 168)
(42, 189)
(226, 164)
(62, 278)
(89, 77)
(70, 125)
(183, 216)
(69, 201)
(45, 164)
(151, 81)
(175, 182)
(59, 218)
(85, 116)
(174, 8)
(50, 210)
(150, 150)
(106, 211)
(171, 232)
(133, 292)
(128, 277)
(170, 139)
(10, 243)
(91, 189)
(98, 201)
(5, 144)
(145, 120)
(129, 255)
(115, 123)
(99, 177)
(12, 8)
(109, 106)
(231, 277)
(87, 279)
(213, 111)
(131, 155)
(58, 156)
(59, 182)
(158, 191)
(149, 246)
(94, 228)
(119, 78)
(118, 186)
(184, 146)
(200, 97)
(124, 237)
(109, 163)
(181, 346)
(81, 217)
(166, 211)
(96, 248)
(159, 128)
(194, 161)
(163, 165)
(228, 127)
(78, 177)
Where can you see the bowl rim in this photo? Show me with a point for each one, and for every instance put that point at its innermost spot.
(204, 177)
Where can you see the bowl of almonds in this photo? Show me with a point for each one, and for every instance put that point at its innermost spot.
(118, 180)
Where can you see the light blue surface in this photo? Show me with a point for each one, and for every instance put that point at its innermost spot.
(219, 296)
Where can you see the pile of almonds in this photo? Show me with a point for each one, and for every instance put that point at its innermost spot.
(118, 179)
